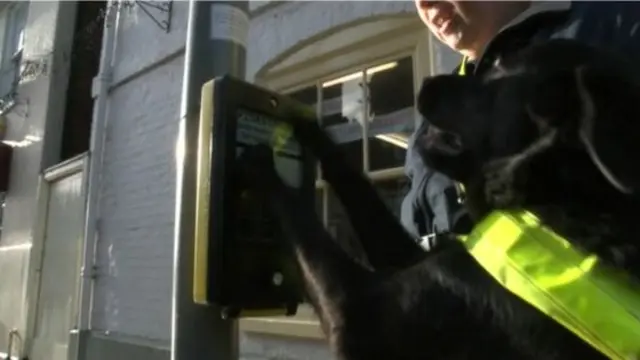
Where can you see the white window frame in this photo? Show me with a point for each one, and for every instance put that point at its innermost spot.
(410, 39)
(382, 174)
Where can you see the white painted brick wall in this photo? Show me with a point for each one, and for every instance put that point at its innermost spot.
(281, 28)
(140, 42)
(135, 246)
(133, 294)
(133, 291)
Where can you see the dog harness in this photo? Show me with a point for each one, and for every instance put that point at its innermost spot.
(598, 304)
(462, 70)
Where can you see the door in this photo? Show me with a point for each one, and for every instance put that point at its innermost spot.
(63, 235)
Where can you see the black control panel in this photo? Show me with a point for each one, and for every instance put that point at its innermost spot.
(242, 262)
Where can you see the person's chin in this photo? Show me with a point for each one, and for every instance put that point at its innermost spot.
(455, 41)
(454, 44)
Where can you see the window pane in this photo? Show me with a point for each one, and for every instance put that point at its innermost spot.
(343, 113)
(391, 118)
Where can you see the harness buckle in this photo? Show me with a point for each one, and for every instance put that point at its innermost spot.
(428, 241)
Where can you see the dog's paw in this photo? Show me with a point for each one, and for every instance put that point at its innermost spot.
(503, 178)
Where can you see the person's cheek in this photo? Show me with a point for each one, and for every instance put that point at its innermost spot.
(423, 17)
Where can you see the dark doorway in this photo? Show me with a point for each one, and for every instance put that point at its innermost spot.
(85, 62)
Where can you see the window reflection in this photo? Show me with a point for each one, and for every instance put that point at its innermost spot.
(343, 113)
(342, 101)
(391, 117)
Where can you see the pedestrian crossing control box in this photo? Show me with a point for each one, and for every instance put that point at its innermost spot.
(241, 262)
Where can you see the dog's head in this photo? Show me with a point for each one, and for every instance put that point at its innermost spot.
(583, 93)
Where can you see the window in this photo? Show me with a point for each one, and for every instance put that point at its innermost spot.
(12, 24)
(370, 113)
(364, 89)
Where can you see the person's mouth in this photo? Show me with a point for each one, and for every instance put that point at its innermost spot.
(441, 16)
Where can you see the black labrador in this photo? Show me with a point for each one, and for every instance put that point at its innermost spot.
(550, 129)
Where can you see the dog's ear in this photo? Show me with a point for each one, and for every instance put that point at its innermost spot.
(609, 124)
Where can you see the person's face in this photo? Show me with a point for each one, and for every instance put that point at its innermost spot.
(465, 26)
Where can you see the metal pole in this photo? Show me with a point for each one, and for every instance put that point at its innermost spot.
(215, 46)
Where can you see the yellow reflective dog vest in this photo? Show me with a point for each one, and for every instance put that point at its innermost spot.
(598, 304)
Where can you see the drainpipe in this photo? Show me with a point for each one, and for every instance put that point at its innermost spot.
(100, 92)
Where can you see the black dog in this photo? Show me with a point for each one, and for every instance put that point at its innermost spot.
(548, 130)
